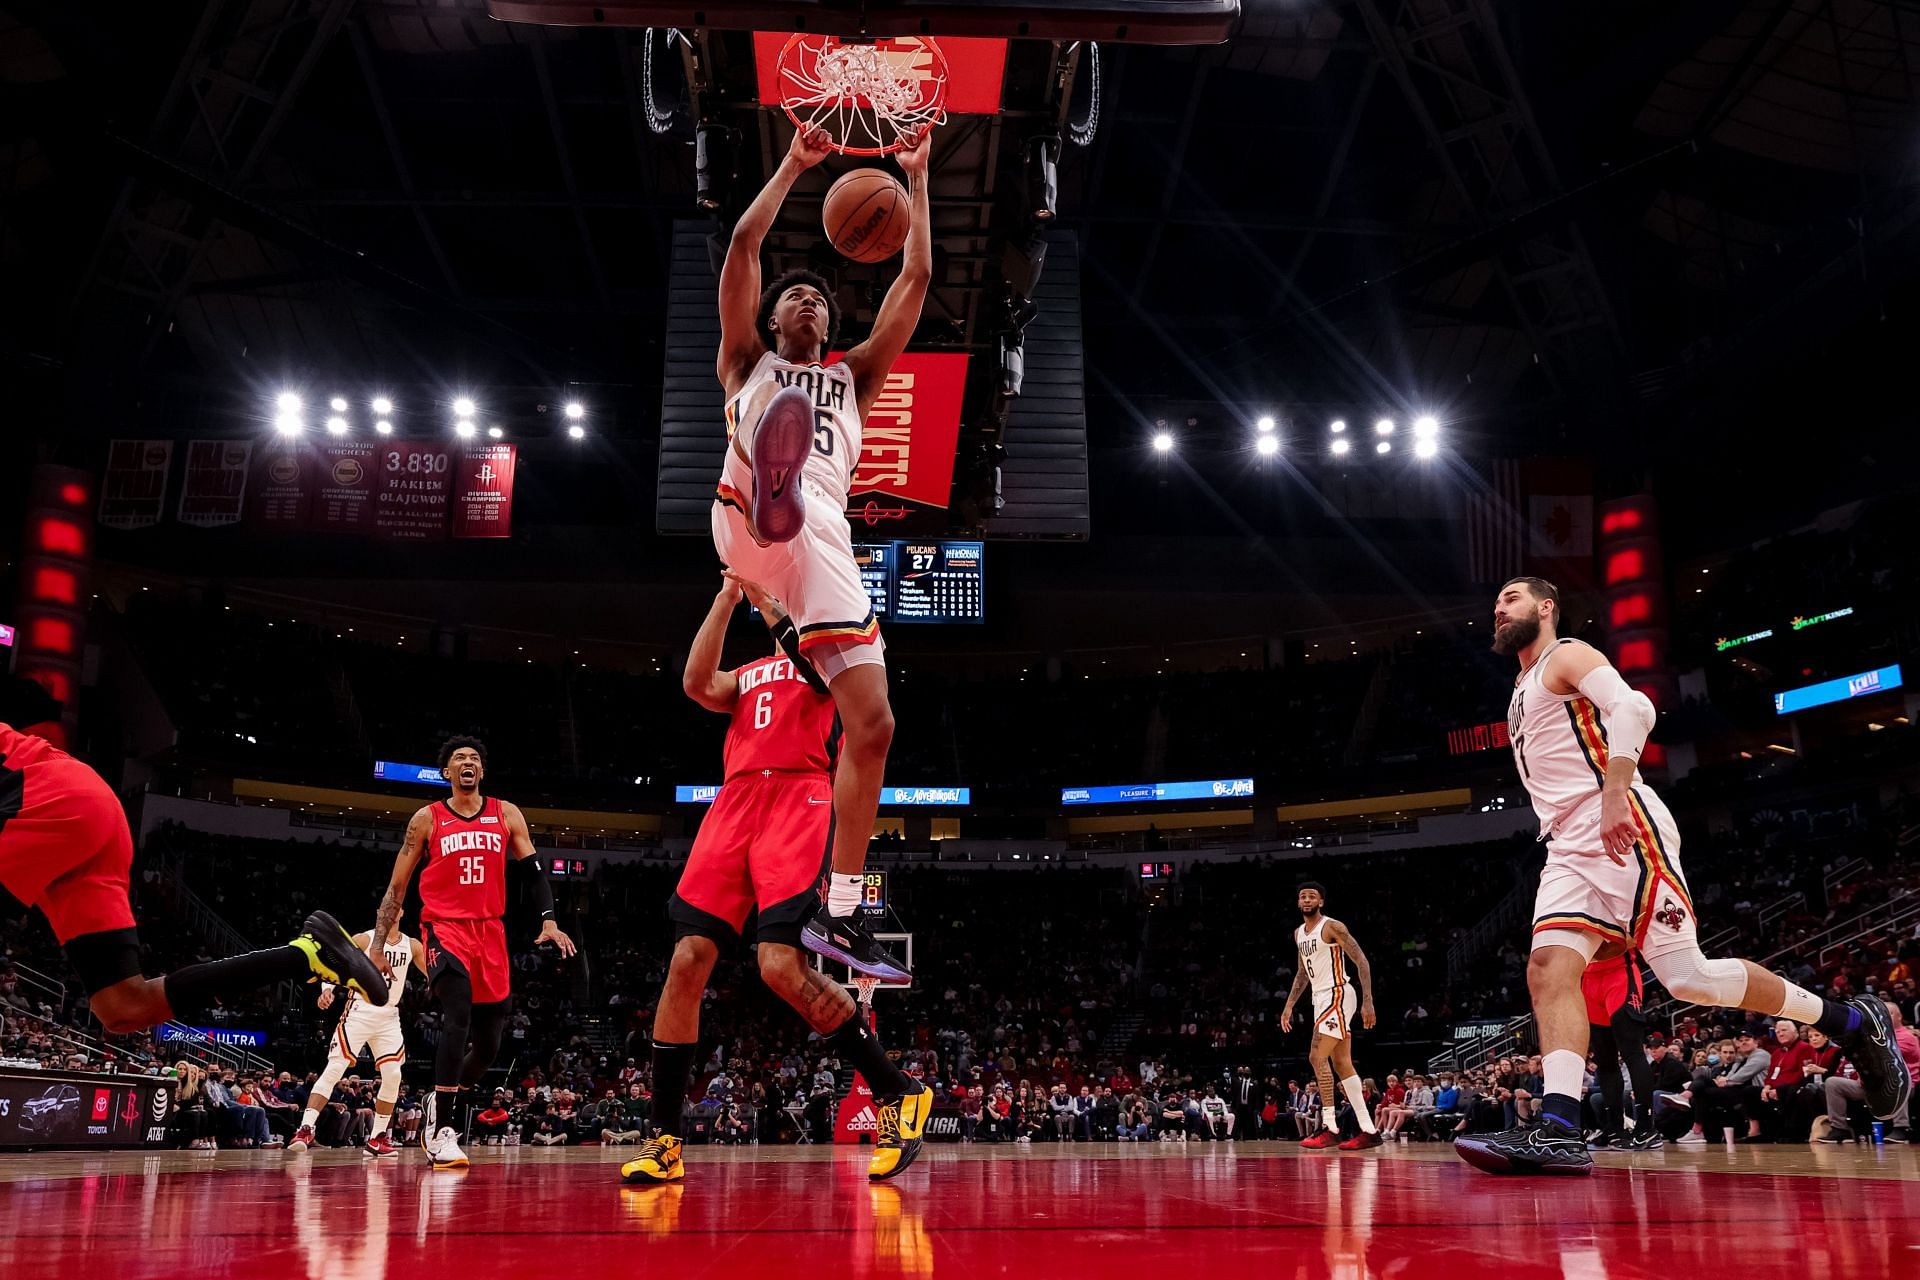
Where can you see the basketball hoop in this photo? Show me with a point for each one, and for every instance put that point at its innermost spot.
(873, 99)
(866, 984)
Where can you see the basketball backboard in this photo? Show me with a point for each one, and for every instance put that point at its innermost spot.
(1120, 21)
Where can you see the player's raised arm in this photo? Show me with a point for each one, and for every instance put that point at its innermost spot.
(780, 625)
(740, 341)
(900, 313)
(412, 846)
(703, 681)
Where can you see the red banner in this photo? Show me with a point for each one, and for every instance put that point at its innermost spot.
(133, 493)
(282, 486)
(907, 445)
(975, 68)
(415, 479)
(343, 488)
(215, 487)
(483, 496)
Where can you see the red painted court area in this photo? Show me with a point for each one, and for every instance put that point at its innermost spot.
(1257, 1210)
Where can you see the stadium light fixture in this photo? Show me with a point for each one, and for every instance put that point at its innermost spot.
(289, 424)
(384, 427)
(463, 407)
(1427, 448)
(1340, 446)
(1384, 447)
(338, 404)
(1163, 442)
(575, 411)
(287, 402)
(382, 406)
(577, 432)
(495, 433)
(1383, 427)
(336, 426)
(1338, 426)
(464, 429)
(1265, 425)
(1426, 427)
(1267, 446)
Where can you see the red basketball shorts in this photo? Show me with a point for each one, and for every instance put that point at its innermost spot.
(765, 846)
(65, 847)
(1609, 986)
(475, 948)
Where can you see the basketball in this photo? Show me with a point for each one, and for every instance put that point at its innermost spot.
(866, 215)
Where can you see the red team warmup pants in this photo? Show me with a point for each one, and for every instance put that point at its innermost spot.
(766, 845)
(475, 948)
(65, 847)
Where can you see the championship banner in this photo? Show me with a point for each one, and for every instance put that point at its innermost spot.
(483, 500)
(282, 493)
(414, 481)
(908, 443)
(133, 493)
(343, 488)
(214, 490)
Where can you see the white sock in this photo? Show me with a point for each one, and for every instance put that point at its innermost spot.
(1562, 1071)
(1351, 1087)
(380, 1124)
(1327, 1119)
(843, 893)
(1801, 1005)
(309, 1118)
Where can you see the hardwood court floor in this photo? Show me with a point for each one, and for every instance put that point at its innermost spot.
(1257, 1209)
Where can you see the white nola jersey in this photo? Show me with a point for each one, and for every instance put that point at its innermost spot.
(1325, 964)
(1559, 743)
(836, 417)
(400, 957)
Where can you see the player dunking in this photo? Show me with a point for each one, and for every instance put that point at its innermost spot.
(794, 428)
(764, 848)
(465, 840)
(375, 1028)
(65, 848)
(1325, 946)
(1613, 882)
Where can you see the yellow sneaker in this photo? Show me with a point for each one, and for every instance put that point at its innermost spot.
(902, 1124)
(658, 1161)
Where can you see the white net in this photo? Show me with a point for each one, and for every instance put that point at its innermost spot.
(871, 99)
(866, 985)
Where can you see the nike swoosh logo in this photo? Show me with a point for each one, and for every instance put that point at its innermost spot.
(779, 483)
(811, 800)
(446, 824)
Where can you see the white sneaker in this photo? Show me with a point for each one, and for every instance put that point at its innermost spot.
(1693, 1140)
(443, 1150)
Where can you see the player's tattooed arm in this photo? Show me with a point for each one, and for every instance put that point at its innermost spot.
(823, 1002)
(1293, 995)
(1344, 939)
(412, 846)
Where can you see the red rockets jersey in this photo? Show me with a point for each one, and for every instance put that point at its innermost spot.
(466, 873)
(19, 749)
(780, 723)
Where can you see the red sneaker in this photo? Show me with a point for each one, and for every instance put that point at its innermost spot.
(1322, 1141)
(1360, 1142)
(381, 1144)
(302, 1138)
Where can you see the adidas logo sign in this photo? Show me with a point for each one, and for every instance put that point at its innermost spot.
(865, 1122)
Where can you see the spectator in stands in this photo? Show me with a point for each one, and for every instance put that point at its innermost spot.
(1305, 1107)
(406, 1115)
(245, 1123)
(1448, 1114)
(490, 1126)
(1244, 1096)
(1728, 1090)
(1392, 1100)
(196, 1116)
(283, 1117)
(1060, 1111)
(1782, 1104)
(1172, 1123)
(1216, 1118)
(1136, 1119)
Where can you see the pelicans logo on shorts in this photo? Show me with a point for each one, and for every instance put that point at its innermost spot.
(1671, 914)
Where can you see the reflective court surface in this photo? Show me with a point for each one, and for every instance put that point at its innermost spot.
(1266, 1209)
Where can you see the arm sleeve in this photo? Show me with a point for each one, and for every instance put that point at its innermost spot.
(1627, 713)
(787, 636)
(542, 890)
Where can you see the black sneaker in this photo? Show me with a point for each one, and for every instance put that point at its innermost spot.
(1883, 1073)
(1648, 1139)
(1545, 1148)
(1896, 1137)
(845, 939)
(1836, 1136)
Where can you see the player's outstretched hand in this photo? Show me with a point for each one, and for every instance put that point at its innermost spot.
(810, 146)
(912, 159)
(378, 954)
(1367, 1015)
(1286, 1020)
(550, 932)
(757, 596)
(729, 589)
(326, 998)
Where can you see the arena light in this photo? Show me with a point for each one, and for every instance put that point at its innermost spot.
(1384, 447)
(289, 424)
(1426, 427)
(384, 427)
(1267, 446)
(463, 408)
(1426, 448)
(495, 433)
(577, 432)
(1338, 426)
(287, 402)
(382, 406)
(1340, 447)
(338, 404)
(1383, 427)
(576, 410)
(336, 426)
(464, 429)
(1265, 425)
(1163, 442)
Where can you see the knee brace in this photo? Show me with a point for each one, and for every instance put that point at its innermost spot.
(1691, 977)
(329, 1077)
(389, 1082)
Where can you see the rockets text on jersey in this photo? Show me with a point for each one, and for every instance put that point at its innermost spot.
(466, 873)
(1559, 743)
(780, 723)
(836, 418)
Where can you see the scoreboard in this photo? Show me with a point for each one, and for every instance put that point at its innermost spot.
(924, 581)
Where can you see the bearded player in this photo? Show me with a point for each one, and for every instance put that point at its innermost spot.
(374, 1028)
(466, 841)
(65, 848)
(1325, 946)
(763, 851)
(794, 429)
(1613, 882)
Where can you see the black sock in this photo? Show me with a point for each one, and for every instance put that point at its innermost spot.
(191, 990)
(672, 1065)
(856, 1043)
(1837, 1019)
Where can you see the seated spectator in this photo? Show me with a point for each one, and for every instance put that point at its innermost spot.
(1216, 1118)
(490, 1126)
(1060, 1111)
(1723, 1096)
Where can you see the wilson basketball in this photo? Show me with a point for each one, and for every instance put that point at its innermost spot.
(867, 216)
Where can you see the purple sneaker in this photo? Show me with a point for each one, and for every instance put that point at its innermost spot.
(781, 440)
